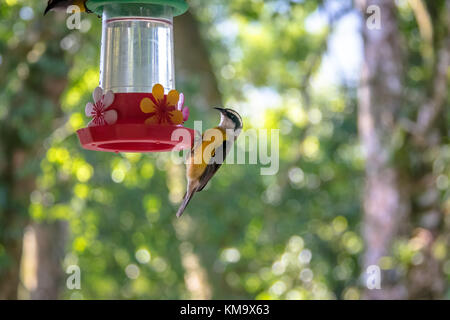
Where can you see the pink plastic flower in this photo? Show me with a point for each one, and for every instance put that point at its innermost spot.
(184, 110)
(98, 110)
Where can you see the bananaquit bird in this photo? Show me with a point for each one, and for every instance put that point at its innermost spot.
(206, 157)
(62, 5)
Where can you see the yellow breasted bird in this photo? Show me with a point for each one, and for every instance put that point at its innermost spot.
(209, 153)
(62, 5)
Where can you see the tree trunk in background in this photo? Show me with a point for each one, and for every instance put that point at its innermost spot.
(9, 275)
(392, 210)
(193, 67)
(192, 62)
(386, 200)
(9, 278)
(426, 279)
(51, 239)
(13, 217)
(17, 154)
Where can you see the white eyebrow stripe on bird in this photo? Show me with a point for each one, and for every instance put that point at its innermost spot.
(236, 117)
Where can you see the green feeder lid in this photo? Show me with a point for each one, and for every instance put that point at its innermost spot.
(179, 6)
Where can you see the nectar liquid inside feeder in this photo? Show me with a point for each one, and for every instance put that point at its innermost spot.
(141, 112)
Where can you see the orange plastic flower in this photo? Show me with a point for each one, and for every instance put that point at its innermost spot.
(161, 108)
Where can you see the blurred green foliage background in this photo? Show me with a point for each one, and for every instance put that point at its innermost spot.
(293, 235)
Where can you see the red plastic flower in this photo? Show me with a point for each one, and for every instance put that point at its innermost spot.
(97, 110)
(161, 108)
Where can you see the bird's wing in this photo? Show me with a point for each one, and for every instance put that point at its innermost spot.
(197, 142)
(214, 164)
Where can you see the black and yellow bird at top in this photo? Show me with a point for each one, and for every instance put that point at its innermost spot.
(209, 153)
(62, 5)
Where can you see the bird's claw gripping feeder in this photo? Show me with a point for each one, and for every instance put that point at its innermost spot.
(136, 108)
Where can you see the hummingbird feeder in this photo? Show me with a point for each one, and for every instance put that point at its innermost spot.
(136, 107)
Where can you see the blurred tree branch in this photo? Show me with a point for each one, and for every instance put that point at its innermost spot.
(192, 60)
(386, 203)
(393, 183)
(429, 111)
(193, 65)
(333, 19)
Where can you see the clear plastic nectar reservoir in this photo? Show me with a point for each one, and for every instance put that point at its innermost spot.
(137, 48)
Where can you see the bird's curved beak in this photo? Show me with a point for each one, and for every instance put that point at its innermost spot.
(220, 109)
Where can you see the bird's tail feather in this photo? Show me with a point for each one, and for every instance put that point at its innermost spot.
(187, 198)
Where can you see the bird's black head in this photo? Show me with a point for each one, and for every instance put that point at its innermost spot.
(233, 116)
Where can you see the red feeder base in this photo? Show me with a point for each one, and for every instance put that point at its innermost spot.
(135, 138)
(131, 134)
